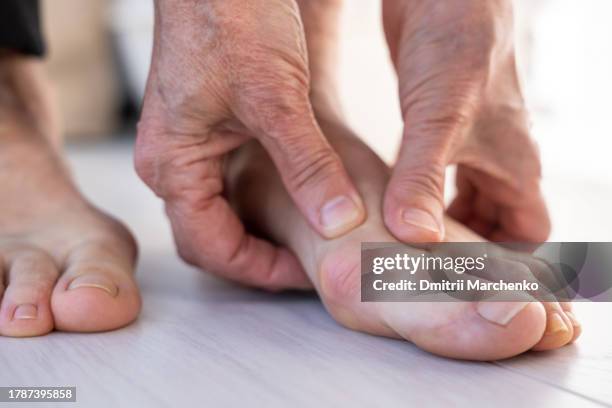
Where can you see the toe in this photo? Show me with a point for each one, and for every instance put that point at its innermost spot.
(559, 328)
(97, 291)
(470, 331)
(567, 308)
(338, 281)
(25, 309)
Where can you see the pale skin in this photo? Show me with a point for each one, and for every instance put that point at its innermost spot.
(268, 74)
(254, 69)
(462, 103)
(65, 265)
(71, 266)
(485, 331)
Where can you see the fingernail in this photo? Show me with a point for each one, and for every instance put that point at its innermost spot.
(339, 215)
(556, 324)
(421, 219)
(94, 281)
(500, 313)
(573, 319)
(25, 312)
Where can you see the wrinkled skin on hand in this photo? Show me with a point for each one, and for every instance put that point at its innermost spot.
(224, 72)
(462, 103)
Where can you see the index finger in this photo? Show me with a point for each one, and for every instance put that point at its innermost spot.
(213, 238)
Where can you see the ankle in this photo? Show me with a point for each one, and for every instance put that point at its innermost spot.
(25, 101)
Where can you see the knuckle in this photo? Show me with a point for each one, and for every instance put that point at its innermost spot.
(312, 169)
(440, 114)
(193, 199)
(544, 227)
(182, 176)
(35, 289)
(144, 156)
(36, 264)
(271, 90)
(426, 180)
(185, 253)
(543, 233)
(274, 111)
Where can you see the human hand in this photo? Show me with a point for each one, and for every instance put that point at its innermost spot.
(223, 72)
(461, 103)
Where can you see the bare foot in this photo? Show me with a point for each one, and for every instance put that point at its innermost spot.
(65, 264)
(478, 331)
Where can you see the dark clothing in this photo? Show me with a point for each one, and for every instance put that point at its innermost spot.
(20, 27)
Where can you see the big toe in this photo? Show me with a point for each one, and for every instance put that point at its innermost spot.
(97, 292)
(473, 331)
(25, 310)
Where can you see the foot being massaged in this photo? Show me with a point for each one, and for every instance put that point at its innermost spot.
(264, 183)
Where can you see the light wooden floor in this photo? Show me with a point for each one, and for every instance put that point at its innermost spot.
(203, 342)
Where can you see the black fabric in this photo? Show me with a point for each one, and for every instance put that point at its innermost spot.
(20, 27)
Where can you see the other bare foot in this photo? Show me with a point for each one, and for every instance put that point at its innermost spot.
(65, 264)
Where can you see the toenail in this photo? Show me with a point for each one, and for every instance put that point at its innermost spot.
(339, 214)
(556, 324)
(420, 219)
(500, 312)
(573, 319)
(25, 312)
(94, 281)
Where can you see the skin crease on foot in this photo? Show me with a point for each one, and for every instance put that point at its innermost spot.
(65, 265)
(466, 330)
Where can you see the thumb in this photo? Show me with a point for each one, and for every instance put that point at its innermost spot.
(414, 200)
(310, 169)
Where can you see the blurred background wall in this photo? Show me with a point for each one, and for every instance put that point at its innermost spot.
(100, 50)
(82, 66)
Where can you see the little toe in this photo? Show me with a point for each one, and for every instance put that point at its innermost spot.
(569, 312)
(25, 309)
(559, 328)
(97, 291)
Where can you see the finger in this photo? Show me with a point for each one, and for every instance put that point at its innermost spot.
(26, 309)
(517, 215)
(413, 204)
(461, 208)
(485, 216)
(207, 232)
(523, 223)
(311, 171)
(238, 256)
(439, 96)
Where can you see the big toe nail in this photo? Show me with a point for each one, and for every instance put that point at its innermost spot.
(500, 313)
(94, 281)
